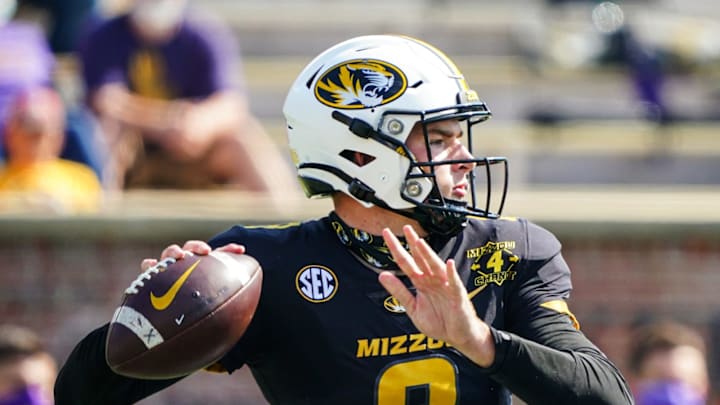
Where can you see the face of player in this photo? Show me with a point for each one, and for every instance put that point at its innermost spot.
(446, 143)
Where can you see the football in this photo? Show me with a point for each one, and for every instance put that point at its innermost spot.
(180, 316)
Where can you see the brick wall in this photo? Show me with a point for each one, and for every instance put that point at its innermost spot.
(619, 282)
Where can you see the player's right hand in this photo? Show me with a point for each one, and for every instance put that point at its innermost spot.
(197, 247)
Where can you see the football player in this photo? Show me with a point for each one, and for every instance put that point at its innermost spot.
(413, 290)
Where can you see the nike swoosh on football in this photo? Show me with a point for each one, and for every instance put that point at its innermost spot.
(164, 301)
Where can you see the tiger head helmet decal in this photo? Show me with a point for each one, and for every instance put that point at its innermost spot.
(360, 84)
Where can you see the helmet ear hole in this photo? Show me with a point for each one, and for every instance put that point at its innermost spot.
(357, 157)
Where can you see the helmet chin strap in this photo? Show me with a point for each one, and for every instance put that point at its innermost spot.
(441, 216)
(438, 216)
(441, 222)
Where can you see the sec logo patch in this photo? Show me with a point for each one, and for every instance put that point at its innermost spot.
(316, 283)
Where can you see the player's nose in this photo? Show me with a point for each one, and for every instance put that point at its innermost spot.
(462, 153)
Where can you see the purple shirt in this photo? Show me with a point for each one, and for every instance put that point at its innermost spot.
(25, 61)
(198, 61)
(669, 393)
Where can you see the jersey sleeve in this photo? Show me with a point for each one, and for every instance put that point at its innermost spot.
(235, 234)
(85, 377)
(542, 356)
(543, 280)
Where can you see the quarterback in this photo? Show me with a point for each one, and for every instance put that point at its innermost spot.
(413, 290)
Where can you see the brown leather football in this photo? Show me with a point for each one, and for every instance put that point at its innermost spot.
(181, 316)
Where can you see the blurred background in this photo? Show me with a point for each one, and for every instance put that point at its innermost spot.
(608, 111)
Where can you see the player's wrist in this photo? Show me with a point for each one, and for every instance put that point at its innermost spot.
(479, 347)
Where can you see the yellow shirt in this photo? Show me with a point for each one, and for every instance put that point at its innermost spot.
(59, 185)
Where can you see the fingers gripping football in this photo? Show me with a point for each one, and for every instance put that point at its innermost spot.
(191, 246)
(183, 314)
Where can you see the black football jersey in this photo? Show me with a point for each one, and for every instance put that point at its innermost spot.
(326, 332)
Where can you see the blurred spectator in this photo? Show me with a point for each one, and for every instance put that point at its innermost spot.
(669, 365)
(27, 370)
(66, 20)
(34, 135)
(163, 83)
(645, 71)
(26, 61)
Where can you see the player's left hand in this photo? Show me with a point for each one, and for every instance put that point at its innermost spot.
(440, 308)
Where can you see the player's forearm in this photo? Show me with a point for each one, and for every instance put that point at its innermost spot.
(539, 374)
(85, 378)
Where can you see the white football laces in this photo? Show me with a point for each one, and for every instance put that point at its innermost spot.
(147, 274)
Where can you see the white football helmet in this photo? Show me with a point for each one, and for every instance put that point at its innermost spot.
(365, 95)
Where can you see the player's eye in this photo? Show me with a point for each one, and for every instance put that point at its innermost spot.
(436, 142)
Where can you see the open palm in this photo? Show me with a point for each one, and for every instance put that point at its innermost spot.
(440, 308)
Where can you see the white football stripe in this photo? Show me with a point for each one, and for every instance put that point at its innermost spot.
(230, 263)
(139, 325)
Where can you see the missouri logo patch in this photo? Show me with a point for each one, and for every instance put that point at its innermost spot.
(360, 83)
(393, 305)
